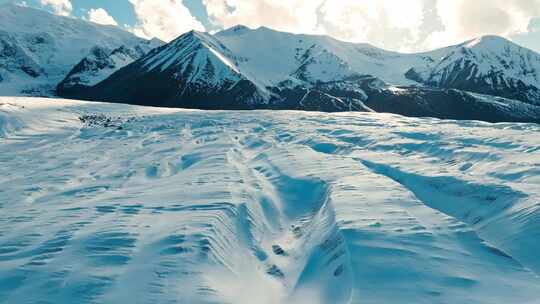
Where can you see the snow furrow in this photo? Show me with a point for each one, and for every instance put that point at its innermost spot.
(479, 206)
(111, 203)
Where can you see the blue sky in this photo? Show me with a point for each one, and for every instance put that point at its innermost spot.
(400, 25)
(121, 10)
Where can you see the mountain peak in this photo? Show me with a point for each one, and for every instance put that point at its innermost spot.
(487, 41)
(189, 36)
(192, 33)
(235, 30)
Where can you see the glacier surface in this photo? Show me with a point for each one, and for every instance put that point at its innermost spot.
(109, 203)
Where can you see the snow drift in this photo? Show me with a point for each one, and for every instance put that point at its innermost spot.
(113, 203)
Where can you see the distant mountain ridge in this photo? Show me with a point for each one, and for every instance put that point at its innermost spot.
(101, 63)
(241, 68)
(489, 65)
(488, 78)
(38, 49)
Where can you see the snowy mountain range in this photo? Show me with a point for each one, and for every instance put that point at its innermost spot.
(240, 68)
(489, 65)
(38, 49)
(101, 63)
(488, 78)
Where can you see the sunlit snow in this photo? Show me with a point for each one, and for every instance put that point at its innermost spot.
(109, 203)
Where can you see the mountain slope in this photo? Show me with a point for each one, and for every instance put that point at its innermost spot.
(241, 68)
(38, 49)
(153, 205)
(100, 64)
(488, 65)
(195, 70)
(414, 101)
(275, 57)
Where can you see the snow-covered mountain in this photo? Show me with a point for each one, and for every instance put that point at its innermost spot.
(272, 57)
(113, 203)
(195, 68)
(101, 63)
(38, 49)
(241, 68)
(489, 65)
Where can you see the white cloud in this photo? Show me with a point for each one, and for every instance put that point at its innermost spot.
(298, 16)
(60, 7)
(388, 23)
(531, 38)
(101, 16)
(393, 24)
(410, 25)
(466, 19)
(164, 19)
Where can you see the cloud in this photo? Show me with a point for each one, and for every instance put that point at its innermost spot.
(164, 19)
(393, 24)
(465, 19)
(100, 16)
(299, 16)
(412, 25)
(531, 38)
(60, 7)
(388, 23)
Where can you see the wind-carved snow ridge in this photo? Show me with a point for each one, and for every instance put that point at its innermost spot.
(287, 225)
(109, 203)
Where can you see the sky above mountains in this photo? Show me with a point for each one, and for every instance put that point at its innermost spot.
(407, 26)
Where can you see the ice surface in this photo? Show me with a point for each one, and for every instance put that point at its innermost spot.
(108, 203)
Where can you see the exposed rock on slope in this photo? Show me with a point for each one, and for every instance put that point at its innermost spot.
(193, 71)
(38, 49)
(488, 65)
(100, 64)
(242, 68)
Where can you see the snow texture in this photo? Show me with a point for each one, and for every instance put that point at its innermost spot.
(109, 203)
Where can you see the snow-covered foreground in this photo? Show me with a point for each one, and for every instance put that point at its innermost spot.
(148, 205)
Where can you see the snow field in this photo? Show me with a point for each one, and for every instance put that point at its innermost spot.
(168, 205)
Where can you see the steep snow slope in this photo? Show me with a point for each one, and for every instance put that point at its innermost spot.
(38, 49)
(273, 57)
(115, 204)
(194, 70)
(190, 52)
(101, 63)
(489, 65)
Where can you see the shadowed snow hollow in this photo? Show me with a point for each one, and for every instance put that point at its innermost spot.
(108, 203)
